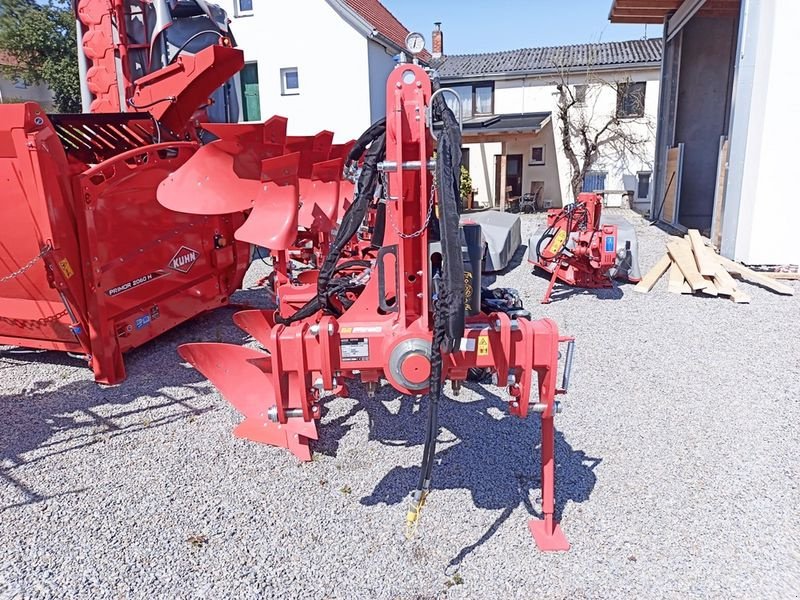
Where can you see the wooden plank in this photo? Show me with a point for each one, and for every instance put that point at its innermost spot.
(710, 289)
(788, 276)
(682, 254)
(676, 280)
(740, 297)
(719, 192)
(702, 256)
(653, 275)
(726, 285)
(671, 185)
(686, 288)
(760, 278)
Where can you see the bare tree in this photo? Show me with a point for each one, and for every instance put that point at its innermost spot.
(589, 135)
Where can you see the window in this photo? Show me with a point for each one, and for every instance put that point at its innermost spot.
(643, 185)
(594, 181)
(630, 100)
(20, 83)
(483, 99)
(290, 82)
(476, 99)
(465, 158)
(244, 8)
(537, 155)
(251, 100)
(580, 93)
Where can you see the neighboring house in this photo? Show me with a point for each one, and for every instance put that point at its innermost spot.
(512, 133)
(323, 64)
(729, 122)
(15, 89)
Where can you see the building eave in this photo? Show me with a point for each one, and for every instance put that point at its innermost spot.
(546, 72)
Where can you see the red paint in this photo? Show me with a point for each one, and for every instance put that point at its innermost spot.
(279, 391)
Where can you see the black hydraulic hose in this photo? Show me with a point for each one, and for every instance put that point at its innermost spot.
(351, 221)
(183, 46)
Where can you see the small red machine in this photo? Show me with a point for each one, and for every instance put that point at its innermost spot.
(90, 263)
(575, 247)
(393, 297)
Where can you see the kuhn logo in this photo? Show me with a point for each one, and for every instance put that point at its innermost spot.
(184, 259)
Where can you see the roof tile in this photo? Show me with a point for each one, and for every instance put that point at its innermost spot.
(377, 15)
(529, 60)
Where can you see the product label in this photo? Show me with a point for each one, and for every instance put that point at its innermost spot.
(134, 283)
(355, 349)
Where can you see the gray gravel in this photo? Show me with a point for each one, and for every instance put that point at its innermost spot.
(677, 456)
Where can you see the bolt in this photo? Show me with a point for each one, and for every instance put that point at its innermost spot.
(455, 385)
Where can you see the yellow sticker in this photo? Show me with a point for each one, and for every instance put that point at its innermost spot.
(558, 242)
(483, 346)
(66, 268)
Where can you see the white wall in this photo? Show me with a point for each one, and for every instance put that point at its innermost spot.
(381, 64)
(11, 92)
(538, 94)
(331, 57)
(761, 215)
(482, 170)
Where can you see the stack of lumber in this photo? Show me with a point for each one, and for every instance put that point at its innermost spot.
(695, 268)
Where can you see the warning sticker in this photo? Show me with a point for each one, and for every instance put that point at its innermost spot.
(66, 268)
(483, 346)
(355, 349)
(558, 242)
(134, 283)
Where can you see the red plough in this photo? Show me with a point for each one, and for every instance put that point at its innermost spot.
(392, 295)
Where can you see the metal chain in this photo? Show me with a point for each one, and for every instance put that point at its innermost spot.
(419, 232)
(27, 266)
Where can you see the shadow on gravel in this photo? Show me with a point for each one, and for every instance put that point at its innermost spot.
(561, 291)
(51, 418)
(484, 450)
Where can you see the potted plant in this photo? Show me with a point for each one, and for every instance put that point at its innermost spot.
(467, 194)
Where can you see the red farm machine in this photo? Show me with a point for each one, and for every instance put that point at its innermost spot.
(396, 295)
(90, 263)
(584, 248)
(124, 222)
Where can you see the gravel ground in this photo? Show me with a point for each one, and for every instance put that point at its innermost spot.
(677, 463)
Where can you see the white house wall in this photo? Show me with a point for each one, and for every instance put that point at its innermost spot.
(482, 170)
(381, 64)
(331, 57)
(761, 215)
(539, 94)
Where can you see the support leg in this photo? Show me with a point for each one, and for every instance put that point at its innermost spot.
(546, 532)
(546, 299)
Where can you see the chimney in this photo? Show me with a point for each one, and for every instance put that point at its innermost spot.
(437, 43)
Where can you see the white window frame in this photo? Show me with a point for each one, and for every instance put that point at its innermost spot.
(536, 163)
(285, 89)
(244, 13)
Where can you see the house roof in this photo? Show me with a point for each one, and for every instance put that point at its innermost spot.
(553, 58)
(7, 60)
(511, 123)
(383, 24)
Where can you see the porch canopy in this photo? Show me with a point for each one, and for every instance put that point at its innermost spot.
(499, 127)
(655, 11)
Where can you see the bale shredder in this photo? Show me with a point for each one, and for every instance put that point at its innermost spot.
(390, 290)
(90, 263)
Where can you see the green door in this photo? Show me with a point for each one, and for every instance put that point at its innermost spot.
(251, 103)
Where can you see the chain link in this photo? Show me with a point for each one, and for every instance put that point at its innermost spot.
(419, 232)
(27, 266)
